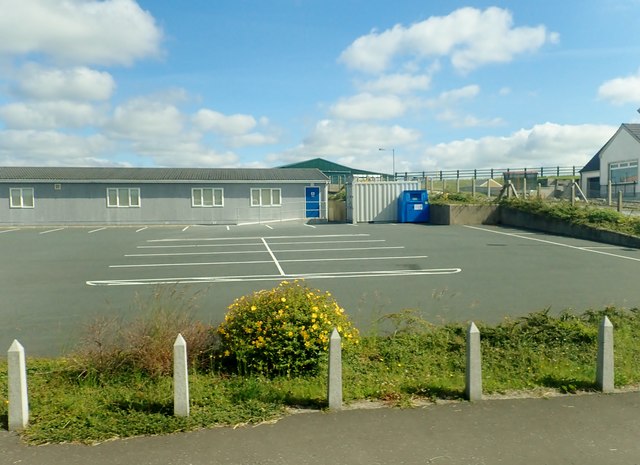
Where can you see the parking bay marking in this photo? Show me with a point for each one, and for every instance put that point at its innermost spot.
(269, 250)
(249, 278)
(254, 244)
(253, 262)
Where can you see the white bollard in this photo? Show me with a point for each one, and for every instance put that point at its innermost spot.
(473, 388)
(180, 378)
(334, 384)
(604, 368)
(18, 396)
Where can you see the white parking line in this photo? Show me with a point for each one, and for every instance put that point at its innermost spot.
(185, 228)
(205, 239)
(310, 226)
(9, 230)
(51, 230)
(267, 226)
(248, 278)
(275, 260)
(190, 246)
(96, 230)
(232, 252)
(584, 249)
(252, 262)
(141, 229)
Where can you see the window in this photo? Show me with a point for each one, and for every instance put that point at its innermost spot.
(623, 172)
(207, 197)
(123, 197)
(21, 197)
(265, 197)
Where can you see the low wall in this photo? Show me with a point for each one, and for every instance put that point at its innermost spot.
(464, 214)
(522, 219)
(493, 214)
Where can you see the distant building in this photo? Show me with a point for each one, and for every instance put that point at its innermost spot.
(617, 161)
(59, 195)
(338, 174)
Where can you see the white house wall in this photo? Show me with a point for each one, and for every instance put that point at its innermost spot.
(622, 147)
(160, 203)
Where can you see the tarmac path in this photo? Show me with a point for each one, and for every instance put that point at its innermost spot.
(579, 429)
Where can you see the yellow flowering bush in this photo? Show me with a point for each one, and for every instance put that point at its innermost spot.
(282, 331)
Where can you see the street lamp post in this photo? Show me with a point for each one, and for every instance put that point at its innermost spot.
(393, 158)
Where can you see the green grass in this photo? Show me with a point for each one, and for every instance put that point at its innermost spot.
(580, 213)
(416, 360)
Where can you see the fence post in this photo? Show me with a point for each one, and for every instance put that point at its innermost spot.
(473, 388)
(334, 384)
(573, 194)
(180, 378)
(17, 379)
(458, 184)
(473, 187)
(619, 201)
(609, 194)
(538, 191)
(524, 185)
(604, 368)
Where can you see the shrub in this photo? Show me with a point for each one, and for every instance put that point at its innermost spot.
(282, 331)
(113, 346)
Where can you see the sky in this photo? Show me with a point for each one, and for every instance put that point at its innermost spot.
(406, 85)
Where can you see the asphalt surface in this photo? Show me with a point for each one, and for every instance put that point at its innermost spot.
(54, 282)
(580, 429)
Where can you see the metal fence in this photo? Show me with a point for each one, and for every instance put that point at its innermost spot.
(489, 181)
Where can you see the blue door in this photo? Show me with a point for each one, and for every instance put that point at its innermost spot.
(312, 201)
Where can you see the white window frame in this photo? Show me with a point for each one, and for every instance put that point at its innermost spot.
(620, 165)
(21, 191)
(263, 197)
(198, 197)
(119, 197)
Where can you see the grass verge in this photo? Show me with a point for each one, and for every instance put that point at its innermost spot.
(416, 360)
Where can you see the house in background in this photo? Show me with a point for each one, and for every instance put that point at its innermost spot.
(617, 161)
(59, 195)
(338, 174)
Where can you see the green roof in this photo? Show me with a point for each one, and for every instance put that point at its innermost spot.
(329, 167)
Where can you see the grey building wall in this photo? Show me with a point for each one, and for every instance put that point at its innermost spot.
(160, 203)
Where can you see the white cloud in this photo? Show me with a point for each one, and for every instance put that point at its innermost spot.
(52, 148)
(452, 96)
(185, 151)
(79, 31)
(355, 145)
(78, 83)
(144, 118)
(50, 115)
(366, 106)
(621, 90)
(397, 84)
(225, 125)
(466, 121)
(252, 139)
(471, 38)
(545, 144)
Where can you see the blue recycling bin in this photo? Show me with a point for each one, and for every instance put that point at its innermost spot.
(413, 207)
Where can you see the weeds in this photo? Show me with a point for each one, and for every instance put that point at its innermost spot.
(112, 346)
(415, 359)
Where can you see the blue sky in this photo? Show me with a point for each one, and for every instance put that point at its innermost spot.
(200, 83)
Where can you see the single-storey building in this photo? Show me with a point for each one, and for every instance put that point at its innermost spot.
(98, 195)
(617, 161)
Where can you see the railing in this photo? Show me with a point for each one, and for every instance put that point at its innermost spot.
(489, 173)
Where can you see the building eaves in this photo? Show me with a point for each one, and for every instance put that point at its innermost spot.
(168, 175)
